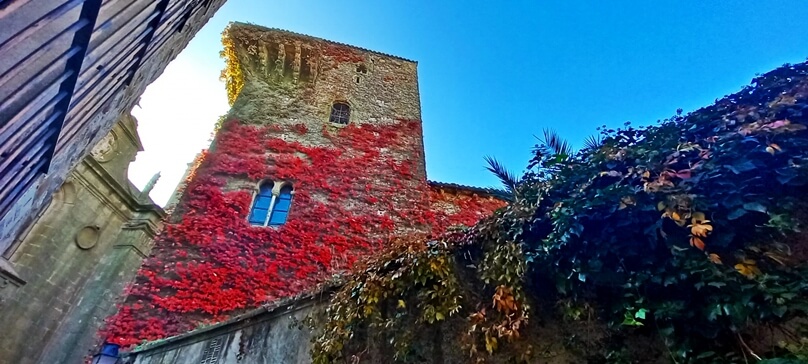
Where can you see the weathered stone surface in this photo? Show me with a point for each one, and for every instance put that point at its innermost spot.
(10, 281)
(108, 104)
(276, 336)
(77, 257)
(379, 88)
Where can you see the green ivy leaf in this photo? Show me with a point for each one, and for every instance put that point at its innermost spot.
(754, 206)
(705, 355)
(737, 213)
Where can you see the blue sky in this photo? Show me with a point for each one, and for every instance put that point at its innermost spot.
(493, 74)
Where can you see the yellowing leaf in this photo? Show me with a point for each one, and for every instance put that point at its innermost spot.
(627, 201)
(490, 344)
(661, 205)
(715, 258)
(477, 317)
(748, 268)
(773, 149)
(698, 218)
(701, 230)
(700, 225)
(401, 304)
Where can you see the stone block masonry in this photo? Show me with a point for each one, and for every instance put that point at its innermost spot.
(119, 47)
(78, 256)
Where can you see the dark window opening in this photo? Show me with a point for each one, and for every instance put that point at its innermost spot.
(340, 113)
(361, 68)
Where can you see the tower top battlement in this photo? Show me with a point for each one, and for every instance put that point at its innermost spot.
(270, 31)
(279, 76)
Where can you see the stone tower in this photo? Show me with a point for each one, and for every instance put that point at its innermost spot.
(319, 163)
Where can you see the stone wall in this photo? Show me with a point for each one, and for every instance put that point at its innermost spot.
(313, 73)
(77, 256)
(96, 114)
(268, 336)
(280, 334)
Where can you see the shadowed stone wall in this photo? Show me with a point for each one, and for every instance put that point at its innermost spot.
(77, 256)
(276, 334)
(108, 100)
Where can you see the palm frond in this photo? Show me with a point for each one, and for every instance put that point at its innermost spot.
(557, 144)
(593, 142)
(508, 179)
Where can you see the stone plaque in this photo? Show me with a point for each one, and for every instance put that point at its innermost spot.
(87, 237)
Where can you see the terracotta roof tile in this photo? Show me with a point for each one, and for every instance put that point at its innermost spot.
(493, 192)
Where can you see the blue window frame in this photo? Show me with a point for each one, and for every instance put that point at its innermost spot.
(281, 209)
(269, 209)
(262, 204)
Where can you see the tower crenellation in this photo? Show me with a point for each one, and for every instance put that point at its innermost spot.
(314, 73)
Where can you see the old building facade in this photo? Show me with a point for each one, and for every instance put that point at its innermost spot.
(70, 70)
(319, 163)
(78, 255)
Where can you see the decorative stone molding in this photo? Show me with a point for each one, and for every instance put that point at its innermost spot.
(104, 151)
(66, 194)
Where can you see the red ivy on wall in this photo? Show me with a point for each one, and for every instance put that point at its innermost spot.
(365, 187)
(341, 54)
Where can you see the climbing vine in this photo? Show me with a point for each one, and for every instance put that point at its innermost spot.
(411, 285)
(686, 232)
(232, 75)
(354, 189)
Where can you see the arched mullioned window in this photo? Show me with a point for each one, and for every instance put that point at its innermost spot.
(340, 113)
(271, 207)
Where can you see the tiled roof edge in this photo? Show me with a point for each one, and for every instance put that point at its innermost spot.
(493, 192)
